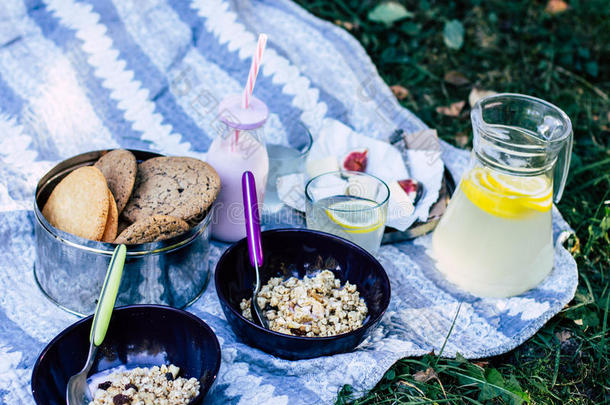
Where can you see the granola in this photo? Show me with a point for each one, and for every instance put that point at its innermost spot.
(146, 386)
(313, 307)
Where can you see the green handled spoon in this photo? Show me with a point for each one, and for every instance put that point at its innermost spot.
(77, 391)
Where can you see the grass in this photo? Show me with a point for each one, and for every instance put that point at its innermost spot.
(512, 46)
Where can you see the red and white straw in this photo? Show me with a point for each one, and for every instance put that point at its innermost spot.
(254, 67)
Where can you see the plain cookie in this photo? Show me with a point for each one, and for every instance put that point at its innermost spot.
(79, 203)
(119, 167)
(112, 222)
(152, 229)
(178, 186)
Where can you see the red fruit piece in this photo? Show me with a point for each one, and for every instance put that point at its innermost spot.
(355, 161)
(409, 186)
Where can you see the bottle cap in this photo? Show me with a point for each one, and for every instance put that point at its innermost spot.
(233, 115)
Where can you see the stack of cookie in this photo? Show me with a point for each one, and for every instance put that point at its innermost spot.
(147, 202)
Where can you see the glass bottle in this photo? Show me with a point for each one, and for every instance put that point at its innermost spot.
(238, 148)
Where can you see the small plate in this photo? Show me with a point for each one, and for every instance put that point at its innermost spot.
(437, 210)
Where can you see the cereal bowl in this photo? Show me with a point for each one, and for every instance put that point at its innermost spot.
(138, 336)
(299, 252)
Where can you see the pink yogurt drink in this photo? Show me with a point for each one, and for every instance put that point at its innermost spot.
(239, 148)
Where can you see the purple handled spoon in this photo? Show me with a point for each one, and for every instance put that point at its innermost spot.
(253, 233)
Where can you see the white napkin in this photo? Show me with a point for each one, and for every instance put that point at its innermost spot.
(383, 161)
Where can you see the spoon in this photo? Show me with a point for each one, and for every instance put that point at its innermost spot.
(77, 391)
(253, 233)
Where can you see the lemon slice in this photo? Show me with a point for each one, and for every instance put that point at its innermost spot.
(507, 196)
(520, 186)
(356, 216)
(482, 194)
(540, 204)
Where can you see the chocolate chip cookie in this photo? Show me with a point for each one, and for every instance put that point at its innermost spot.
(152, 229)
(119, 168)
(182, 187)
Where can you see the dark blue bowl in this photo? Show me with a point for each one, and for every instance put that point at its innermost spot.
(292, 252)
(138, 335)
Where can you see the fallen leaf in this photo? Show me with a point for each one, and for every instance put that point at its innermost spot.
(461, 139)
(576, 247)
(556, 6)
(481, 364)
(476, 94)
(453, 34)
(425, 376)
(452, 110)
(456, 78)
(485, 36)
(429, 99)
(563, 335)
(399, 91)
(389, 12)
(345, 24)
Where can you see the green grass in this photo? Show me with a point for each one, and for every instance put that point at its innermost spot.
(510, 46)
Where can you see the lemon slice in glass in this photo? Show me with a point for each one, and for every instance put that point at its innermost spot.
(356, 216)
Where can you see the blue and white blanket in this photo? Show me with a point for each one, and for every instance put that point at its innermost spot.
(78, 76)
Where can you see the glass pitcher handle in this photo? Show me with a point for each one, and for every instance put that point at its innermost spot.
(562, 167)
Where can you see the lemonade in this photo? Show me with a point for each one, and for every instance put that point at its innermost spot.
(357, 219)
(495, 239)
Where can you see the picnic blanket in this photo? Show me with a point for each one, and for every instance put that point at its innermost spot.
(78, 76)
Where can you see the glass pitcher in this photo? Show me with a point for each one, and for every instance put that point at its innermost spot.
(495, 239)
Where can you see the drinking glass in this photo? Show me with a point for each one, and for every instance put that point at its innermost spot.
(287, 158)
(352, 205)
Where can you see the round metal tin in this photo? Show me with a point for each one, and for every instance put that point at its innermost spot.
(70, 270)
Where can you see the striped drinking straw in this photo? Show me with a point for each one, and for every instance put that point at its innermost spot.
(254, 68)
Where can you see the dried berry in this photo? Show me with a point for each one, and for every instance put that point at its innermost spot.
(298, 332)
(355, 161)
(410, 187)
(130, 385)
(121, 399)
(105, 385)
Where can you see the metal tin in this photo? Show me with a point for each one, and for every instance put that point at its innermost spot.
(70, 270)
